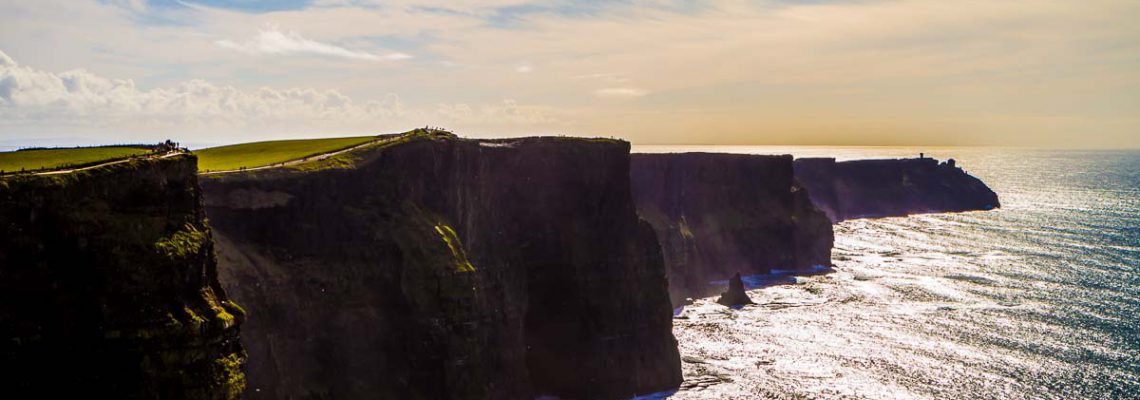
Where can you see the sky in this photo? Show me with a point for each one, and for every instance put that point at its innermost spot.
(1039, 73)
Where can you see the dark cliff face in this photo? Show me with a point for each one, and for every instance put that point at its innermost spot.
(886, 188)
(434, 267)
(719, 214)
(109, 287)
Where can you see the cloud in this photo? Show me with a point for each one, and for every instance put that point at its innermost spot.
(491, 113)
(79, 96)
(771, 71)
(274, 41)
(524, 69)
(132, 5)
(469, 7)
(621, 92)
(603, 77)
(6, 62)
(79, 101)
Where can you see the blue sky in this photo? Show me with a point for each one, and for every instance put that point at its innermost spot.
(869, 72)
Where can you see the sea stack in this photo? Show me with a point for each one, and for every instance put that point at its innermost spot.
(735, 295)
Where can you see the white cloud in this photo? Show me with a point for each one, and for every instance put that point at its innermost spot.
(603, 77)
(990, 72)
(274, 41)
(133, 5)
(621, 92)
(6, 61)
(492, 113)
(524, 69)
(472, 7)
(79, 101)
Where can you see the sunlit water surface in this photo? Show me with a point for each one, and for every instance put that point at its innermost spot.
(1037, 300)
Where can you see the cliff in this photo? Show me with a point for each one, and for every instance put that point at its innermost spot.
(720, 214)
(109, 287)
(432, 267)
(885, 188)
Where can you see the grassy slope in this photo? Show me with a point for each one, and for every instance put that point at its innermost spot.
(250, 155)
(56, 158)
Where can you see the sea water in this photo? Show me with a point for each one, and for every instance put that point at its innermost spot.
(1037, 300)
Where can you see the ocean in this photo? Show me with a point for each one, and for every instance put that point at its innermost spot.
(1037, 300)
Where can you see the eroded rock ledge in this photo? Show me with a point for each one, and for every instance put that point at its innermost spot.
(435, 267)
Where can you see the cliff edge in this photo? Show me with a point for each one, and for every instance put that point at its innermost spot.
(109, 286)
(719, 214)
(430, 267)
(887, 188)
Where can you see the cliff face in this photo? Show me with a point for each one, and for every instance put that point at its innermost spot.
(109, 287)
(719, 214)
(433, 267)
(885, 188)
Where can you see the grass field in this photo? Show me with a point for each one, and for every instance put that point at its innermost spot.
(259, 154)
(12, 161)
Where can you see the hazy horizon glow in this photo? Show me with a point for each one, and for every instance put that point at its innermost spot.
(1041, 73)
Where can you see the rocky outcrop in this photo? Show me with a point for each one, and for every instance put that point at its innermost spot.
(432, 267)
(719, 214)
(735, 295)
(886, 188)
(109, 287)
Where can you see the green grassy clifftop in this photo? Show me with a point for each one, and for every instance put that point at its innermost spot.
(47, 159)
(260, 154)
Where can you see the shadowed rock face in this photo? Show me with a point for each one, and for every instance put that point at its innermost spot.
(886, 188)
(437, 268)
(719, 214)
(109, 287)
